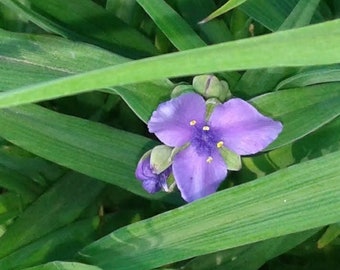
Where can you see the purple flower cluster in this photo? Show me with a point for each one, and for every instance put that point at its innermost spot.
(199, 167)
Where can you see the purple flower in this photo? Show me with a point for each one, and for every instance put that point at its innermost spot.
(236, 125)
(151, 181)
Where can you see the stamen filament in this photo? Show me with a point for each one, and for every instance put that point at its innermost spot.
(209, 159)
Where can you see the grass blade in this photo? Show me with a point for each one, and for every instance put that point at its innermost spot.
(287, 201)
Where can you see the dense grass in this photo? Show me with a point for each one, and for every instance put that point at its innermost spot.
(96, 70)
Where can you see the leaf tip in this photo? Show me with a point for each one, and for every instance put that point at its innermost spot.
(205, 20)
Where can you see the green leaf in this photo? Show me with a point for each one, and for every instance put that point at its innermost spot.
(275, 13)
(301, 110)
(38, 170)
(285, 202)
(283, 48)
(332, 232)
(193, 11)
(127, 10)
(251, 256)
(60, 244)
(8, 202)
(255, 82)
(64, 266)
(36, 64)
(19, 184)
(313, 75)
(86, 24)
(223, 9)
(101, 152)
(61, 211)
(323, 141)
(301, 15)
(177, 30)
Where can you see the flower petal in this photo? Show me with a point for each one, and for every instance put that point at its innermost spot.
(144, 170)
(242, 128)
(195, 177)
(171, 121)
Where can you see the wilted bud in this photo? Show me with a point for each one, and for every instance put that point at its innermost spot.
(181, 89)
(210, 86)
(151, 181)
(160, 158)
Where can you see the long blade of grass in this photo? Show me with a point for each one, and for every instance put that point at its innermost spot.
(310, 76)
(26, 59)
(61, 210)
(287, 201)
(269, 13)
(249, 257)
(177, 30)
(63, 266)
(84, 20)
(255, 82)
(88, 147)
(259, 52)
(223, 9)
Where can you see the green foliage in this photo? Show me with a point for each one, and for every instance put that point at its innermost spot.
(98, 69)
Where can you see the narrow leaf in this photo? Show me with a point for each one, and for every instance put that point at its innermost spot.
(64, 266)
(285, 202)
(102, 152)
(60, 17)
(225, 8)
(61, 212)
(259, 52)
(178, 31)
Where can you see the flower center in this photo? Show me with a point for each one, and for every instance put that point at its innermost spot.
(205, 140)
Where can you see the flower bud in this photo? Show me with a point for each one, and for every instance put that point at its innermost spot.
(210, 86)
(160, 158)
(181, 89)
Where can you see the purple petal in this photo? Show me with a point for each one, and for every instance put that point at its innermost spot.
(195, 177)
(171, 121)
(151, 182)
(242, 128)
(144, 170)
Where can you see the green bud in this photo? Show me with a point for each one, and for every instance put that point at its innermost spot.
(232, 159)
(160, 158)
(210, 86)
(181, 89)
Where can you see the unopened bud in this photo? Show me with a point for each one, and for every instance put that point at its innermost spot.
(181, 89)
(210, 86)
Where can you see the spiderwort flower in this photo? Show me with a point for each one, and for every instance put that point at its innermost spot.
(151, 181)
(236, 125)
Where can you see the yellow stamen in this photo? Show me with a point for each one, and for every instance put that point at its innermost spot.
(209, 159)
(219, 144)
(206, 128)
(192, 122)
